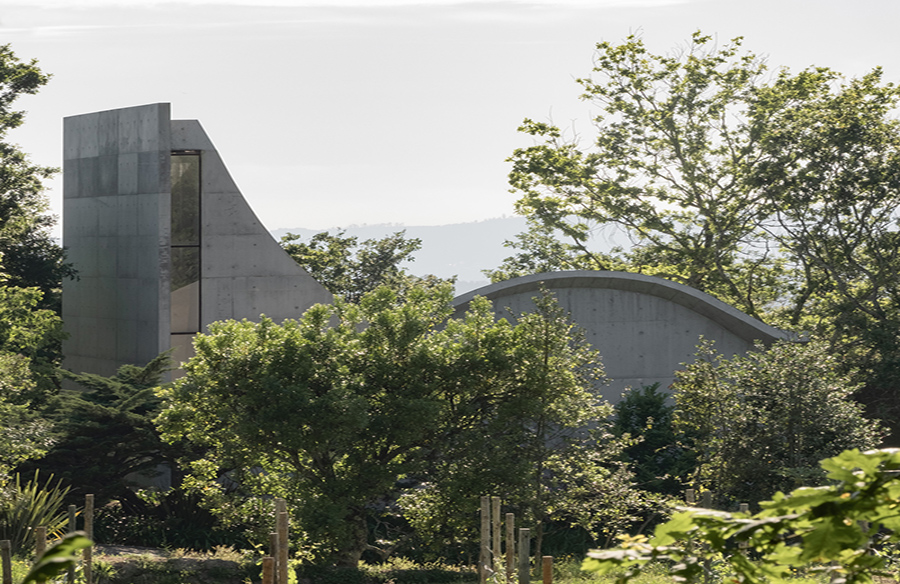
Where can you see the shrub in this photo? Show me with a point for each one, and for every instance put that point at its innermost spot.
(24, 507)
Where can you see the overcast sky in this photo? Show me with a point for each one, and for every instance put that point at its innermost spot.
(333, 113)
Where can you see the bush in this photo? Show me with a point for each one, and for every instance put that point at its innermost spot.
(25, 507)
(173, 520)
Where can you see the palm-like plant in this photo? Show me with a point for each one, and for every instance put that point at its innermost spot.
(23, 507)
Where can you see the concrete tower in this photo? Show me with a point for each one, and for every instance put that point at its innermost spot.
(163, 241)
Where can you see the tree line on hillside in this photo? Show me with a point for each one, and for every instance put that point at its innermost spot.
(382, 421)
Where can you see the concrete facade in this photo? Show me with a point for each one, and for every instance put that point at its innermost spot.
(141, 289)
(644, 327)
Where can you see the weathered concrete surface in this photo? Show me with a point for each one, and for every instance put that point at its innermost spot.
(644, 327)
(116, 227)
(244, 271)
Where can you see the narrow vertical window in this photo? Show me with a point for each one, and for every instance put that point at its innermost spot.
(185, 252)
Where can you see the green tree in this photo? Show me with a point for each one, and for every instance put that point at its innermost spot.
(545, 449)
(667, 166)
(25, 435)
(660, 461)
(832, 162)
(777, 194)
(31, 332)
(26, 374)
(31, 257)
(331, 411)
(104, 431)
(761, 422)
(337, 407)
(351, 269)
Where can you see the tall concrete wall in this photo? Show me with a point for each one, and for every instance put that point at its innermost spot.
(117, 229)
(643, 327)
(245, 272)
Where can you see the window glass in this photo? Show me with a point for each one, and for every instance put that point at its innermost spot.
(185, 199)
(185, 299)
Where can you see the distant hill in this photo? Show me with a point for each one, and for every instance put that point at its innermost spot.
(460, 249)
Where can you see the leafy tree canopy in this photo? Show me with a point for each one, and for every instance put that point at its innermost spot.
(775, 192)
(31, 257)
(104, 432)
(27, 372)
(337, 407)
(351, 269)
(760, 423)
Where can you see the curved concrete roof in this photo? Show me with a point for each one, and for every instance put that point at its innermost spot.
(714, 309)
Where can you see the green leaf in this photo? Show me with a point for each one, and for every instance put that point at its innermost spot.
(58, 557)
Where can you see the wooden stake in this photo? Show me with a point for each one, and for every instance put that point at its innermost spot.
(744, 508)
(6, 559)
(484, 555)
(282, 529)
(40, 545)
(510, 547)
(70, 573)
(87, 556)
(268, 570)
(40, 541)
(547, 571)
(524, 553)
(495, 532)
(273, 551)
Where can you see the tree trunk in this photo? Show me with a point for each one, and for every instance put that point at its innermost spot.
(538, 542)
(350, 553)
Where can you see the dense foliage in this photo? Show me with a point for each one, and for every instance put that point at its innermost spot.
(760, 423)
(30, 256)
(351, 269)
(103, 433)
(833, 529)
(339, 406)
(25, 375)
(775, 193)
(659, 456)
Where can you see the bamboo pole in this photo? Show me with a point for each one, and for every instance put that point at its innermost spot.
(88, 555)
(484, 555)
(6, 558)
(510, 547)
(524, 553)
(547, 569)
(268, 570)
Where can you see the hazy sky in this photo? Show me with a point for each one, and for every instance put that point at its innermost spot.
(360, 112)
